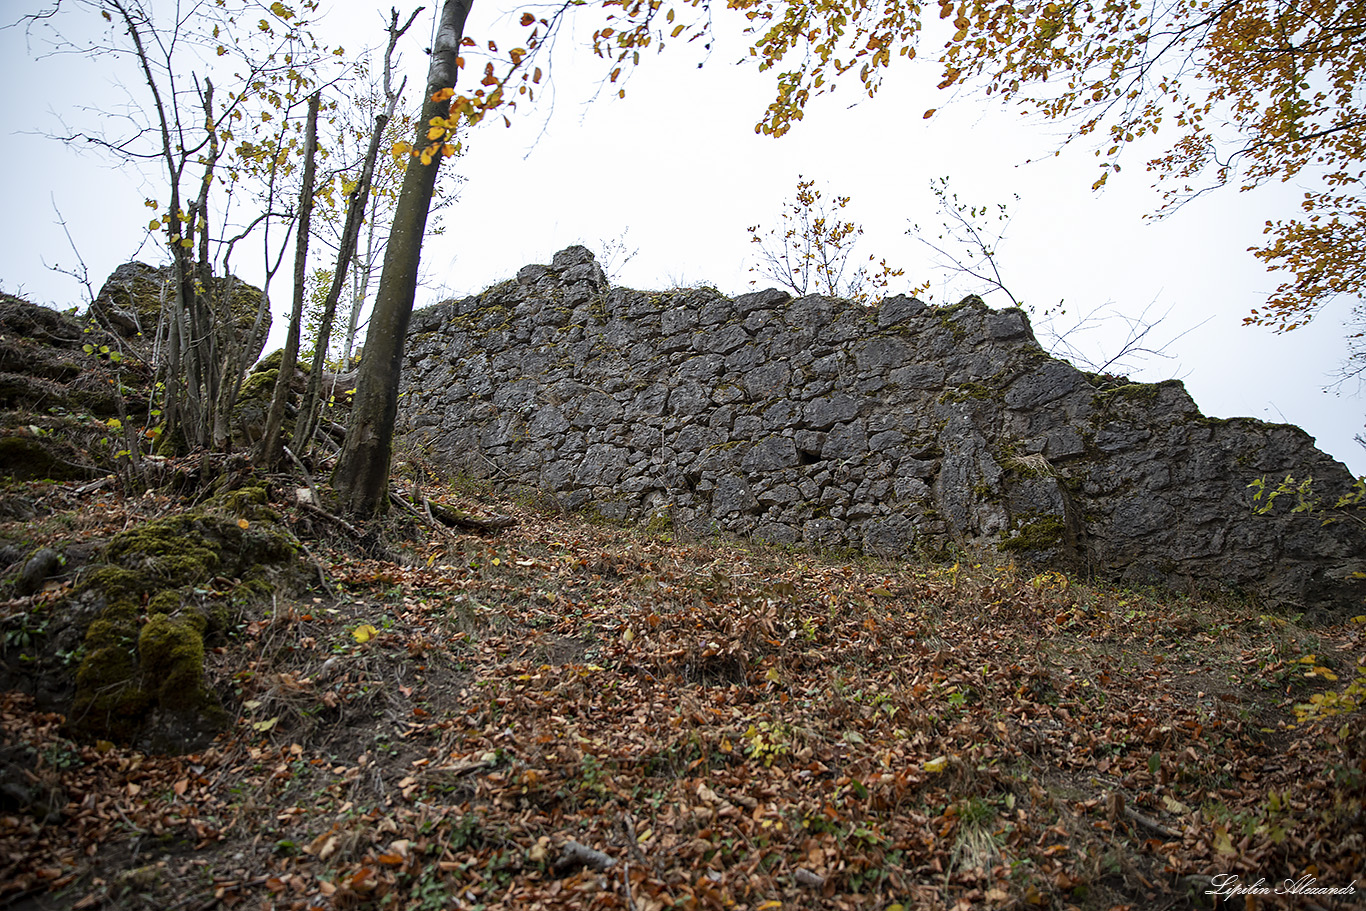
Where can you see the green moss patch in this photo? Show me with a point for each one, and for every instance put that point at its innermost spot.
(1040, 533)
(142, 677)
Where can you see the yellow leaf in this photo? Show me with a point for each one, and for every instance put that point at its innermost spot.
(364, 633)
(243, 523)
(1174, 806)
(938, 764)
(1222, 843)
(265, 725)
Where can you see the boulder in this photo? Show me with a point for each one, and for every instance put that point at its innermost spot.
(132, 299)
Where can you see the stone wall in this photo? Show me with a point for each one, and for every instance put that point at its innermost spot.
(892, 429)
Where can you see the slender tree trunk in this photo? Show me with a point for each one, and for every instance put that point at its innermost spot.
(360, 290)
(273, 445)
(362, 475)
(355, 214)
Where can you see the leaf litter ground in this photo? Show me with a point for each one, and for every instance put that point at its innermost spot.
(572, 715)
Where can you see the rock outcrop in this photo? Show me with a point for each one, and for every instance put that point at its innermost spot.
(131, 300)
(892, 429)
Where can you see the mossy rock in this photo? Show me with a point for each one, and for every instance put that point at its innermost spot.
(250, 502)
(193, 547)
(171, 661)
(109, 702)
(259, 386)
(273, 362)
(142, 680)
(29, 458)
(1041, 533)
(252, 408)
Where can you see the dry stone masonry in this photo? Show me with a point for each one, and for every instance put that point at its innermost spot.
(892, 429)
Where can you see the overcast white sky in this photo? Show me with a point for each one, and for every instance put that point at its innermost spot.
(677, 166)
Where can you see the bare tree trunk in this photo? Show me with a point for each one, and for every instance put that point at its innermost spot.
(355, 213)
(272, 447)
(362, 475)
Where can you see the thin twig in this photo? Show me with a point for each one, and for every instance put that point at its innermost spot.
(626, 883)
(308, 478)
(1150, 823)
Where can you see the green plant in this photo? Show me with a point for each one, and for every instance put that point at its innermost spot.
(1349, 505)
(25, 635)
(766, 741)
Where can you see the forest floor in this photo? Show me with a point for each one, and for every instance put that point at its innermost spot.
(565, 714)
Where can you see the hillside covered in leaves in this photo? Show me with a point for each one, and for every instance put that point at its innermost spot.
(561, 714)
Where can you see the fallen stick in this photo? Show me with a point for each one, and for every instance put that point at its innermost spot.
(1150, 824)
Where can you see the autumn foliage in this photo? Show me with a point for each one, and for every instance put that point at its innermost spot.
(1242, 92)
(810, 250)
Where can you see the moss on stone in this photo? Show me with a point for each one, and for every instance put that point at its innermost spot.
(251, 502)
(133, 668)
(970, 390)
(259, 385)
(272, 363)
(1038, 533)
(116, 584)
(167, 602)
(108, 700)
(171, 660)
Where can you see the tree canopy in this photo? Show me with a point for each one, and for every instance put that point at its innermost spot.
(1249, 91)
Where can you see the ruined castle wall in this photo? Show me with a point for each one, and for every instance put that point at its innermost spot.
(891, 429)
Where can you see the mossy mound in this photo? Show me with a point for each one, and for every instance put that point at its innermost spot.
(253, 400)
(165, 589)
(25, 456)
